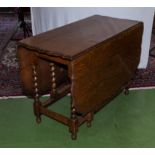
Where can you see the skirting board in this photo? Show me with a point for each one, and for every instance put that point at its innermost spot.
(12, 97)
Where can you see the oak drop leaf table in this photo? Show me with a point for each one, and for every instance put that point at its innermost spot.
(93, 59)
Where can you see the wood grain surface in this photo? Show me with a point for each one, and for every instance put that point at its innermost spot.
(73, 39)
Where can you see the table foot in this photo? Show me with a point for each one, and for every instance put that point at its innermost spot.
(73, 136)
(37, 112)
(88, 124)
(38, 120)
(126, 91)
(89, 119)
(73, 128)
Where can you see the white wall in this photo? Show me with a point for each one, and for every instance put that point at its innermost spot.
(44, 19)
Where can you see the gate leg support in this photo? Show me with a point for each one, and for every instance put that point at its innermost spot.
(36, 96)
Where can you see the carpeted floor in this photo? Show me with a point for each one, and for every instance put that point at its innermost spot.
(9, 76)
(127, 121)
(146, 77)
(8, 23)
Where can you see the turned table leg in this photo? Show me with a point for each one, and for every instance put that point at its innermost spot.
(73, 128)
(53, 80)
(36, 103)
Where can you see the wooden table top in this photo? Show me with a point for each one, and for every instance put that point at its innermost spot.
(71, 40)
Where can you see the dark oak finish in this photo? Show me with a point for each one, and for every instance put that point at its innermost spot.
(93, 59)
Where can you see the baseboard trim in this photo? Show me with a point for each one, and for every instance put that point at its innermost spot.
(142, 88)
